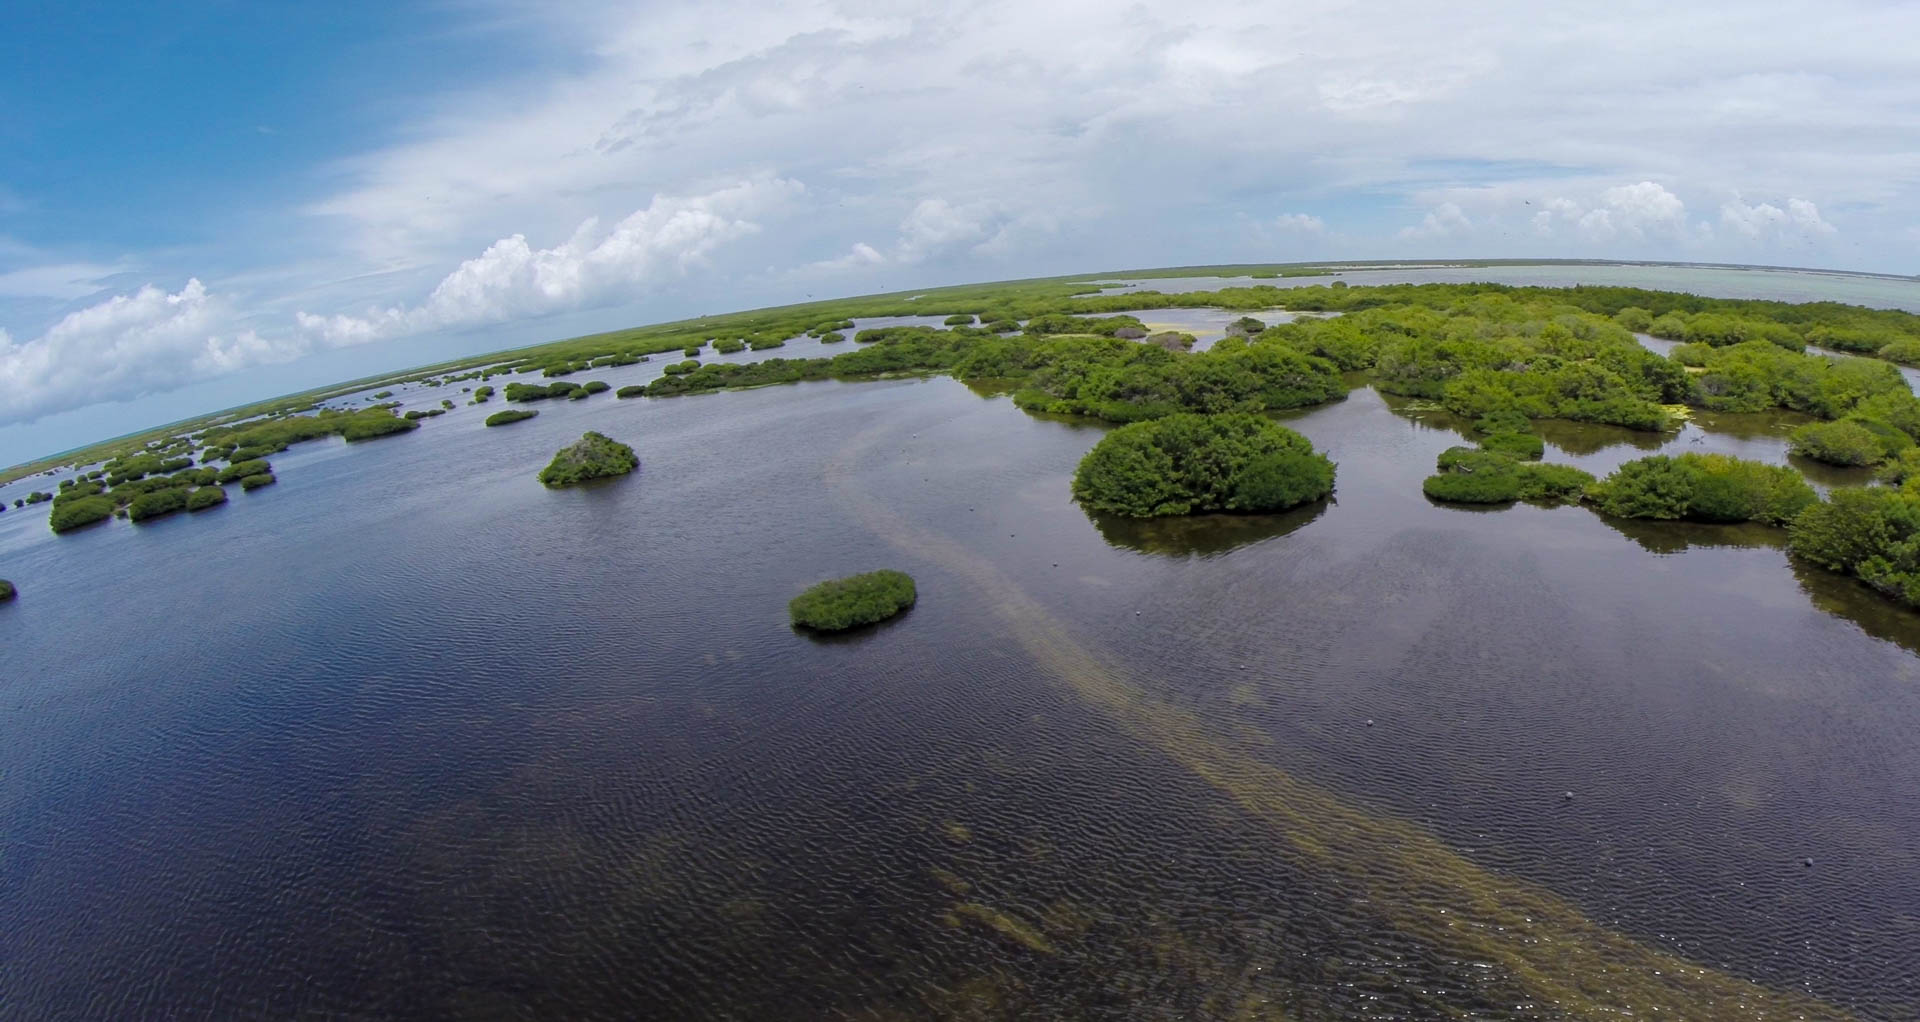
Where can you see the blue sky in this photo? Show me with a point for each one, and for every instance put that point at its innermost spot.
(208, 203)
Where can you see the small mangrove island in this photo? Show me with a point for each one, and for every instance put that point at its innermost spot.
(842, 603)
(7, 591)
(511, 415)
(1188, 464)
(593, 456)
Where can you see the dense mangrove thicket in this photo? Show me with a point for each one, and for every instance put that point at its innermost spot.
(839, 604)
(1465, 475)
(1703, 488)
(593, 456)
(510, 415)
(1871, 533)
(1188, 464)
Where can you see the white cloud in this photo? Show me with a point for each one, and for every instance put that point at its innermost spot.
(1001, 138)
(1765, 221)
(1444, 220)
(126, 346)
(62, 281)
(512, 279)
(1300, 223)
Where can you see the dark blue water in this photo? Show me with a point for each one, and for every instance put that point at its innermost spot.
(408, 734)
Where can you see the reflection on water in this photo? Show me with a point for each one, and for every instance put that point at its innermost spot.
(1201, 535)
(1676, 537)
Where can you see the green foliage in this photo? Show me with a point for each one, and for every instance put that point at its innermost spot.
(538, 391)
(1849, 441)
(1186, 464)
(205, 497)
(254, 482)
(593, 456)
(1485, 476)
(840, 604)
(423, 413)
(1520, 446)
(481, 394)
(159, 502)
(1634, 318)
(1905, 351)
(501, 418)
(634, 390)
(832, 337)
(729, 345)
(242, 469)
(7, 590)
(72, 514)
(1703, 487)
(383, 395)
(681, 368)
(579, 394)
(960, 319)
(690, 350)
(1756, 376)
(1872, 533)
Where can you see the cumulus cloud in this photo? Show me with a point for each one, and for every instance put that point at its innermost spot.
(512, 279)
(126, 346)
(1765, 221)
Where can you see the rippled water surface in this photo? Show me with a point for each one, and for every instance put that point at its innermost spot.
(407, 734)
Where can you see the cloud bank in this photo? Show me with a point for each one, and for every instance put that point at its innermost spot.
(734, 154)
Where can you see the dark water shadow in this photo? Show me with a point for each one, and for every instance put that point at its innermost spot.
(1202, 535)
(851, 636)
(1847, 597)
(1592, 438)
(1668, 537)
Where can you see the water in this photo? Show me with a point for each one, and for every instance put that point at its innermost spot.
(407, 734)
(1874, 291)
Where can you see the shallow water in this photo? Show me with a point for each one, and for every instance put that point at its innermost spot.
(409, 734)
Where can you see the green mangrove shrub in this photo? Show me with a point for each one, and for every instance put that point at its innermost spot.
(242, 469)
(157, 503)
(634, 390)
(1869, 532)
(7, 590)
(1703, 487)
(501, 418)
(257, 480)
(1849, 441)
(1186, 464)
(593, 456)
(843, 603)
(205, 497)
(1488, 476)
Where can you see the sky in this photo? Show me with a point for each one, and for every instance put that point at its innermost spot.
(204, 204)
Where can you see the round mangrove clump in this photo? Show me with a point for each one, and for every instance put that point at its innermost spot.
(7, 591)
(510, 415)
(206, 497)
(254, 482)
(843, 603)
(72, 514)
(593, 456)
(634, 390)
(1189, 464)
